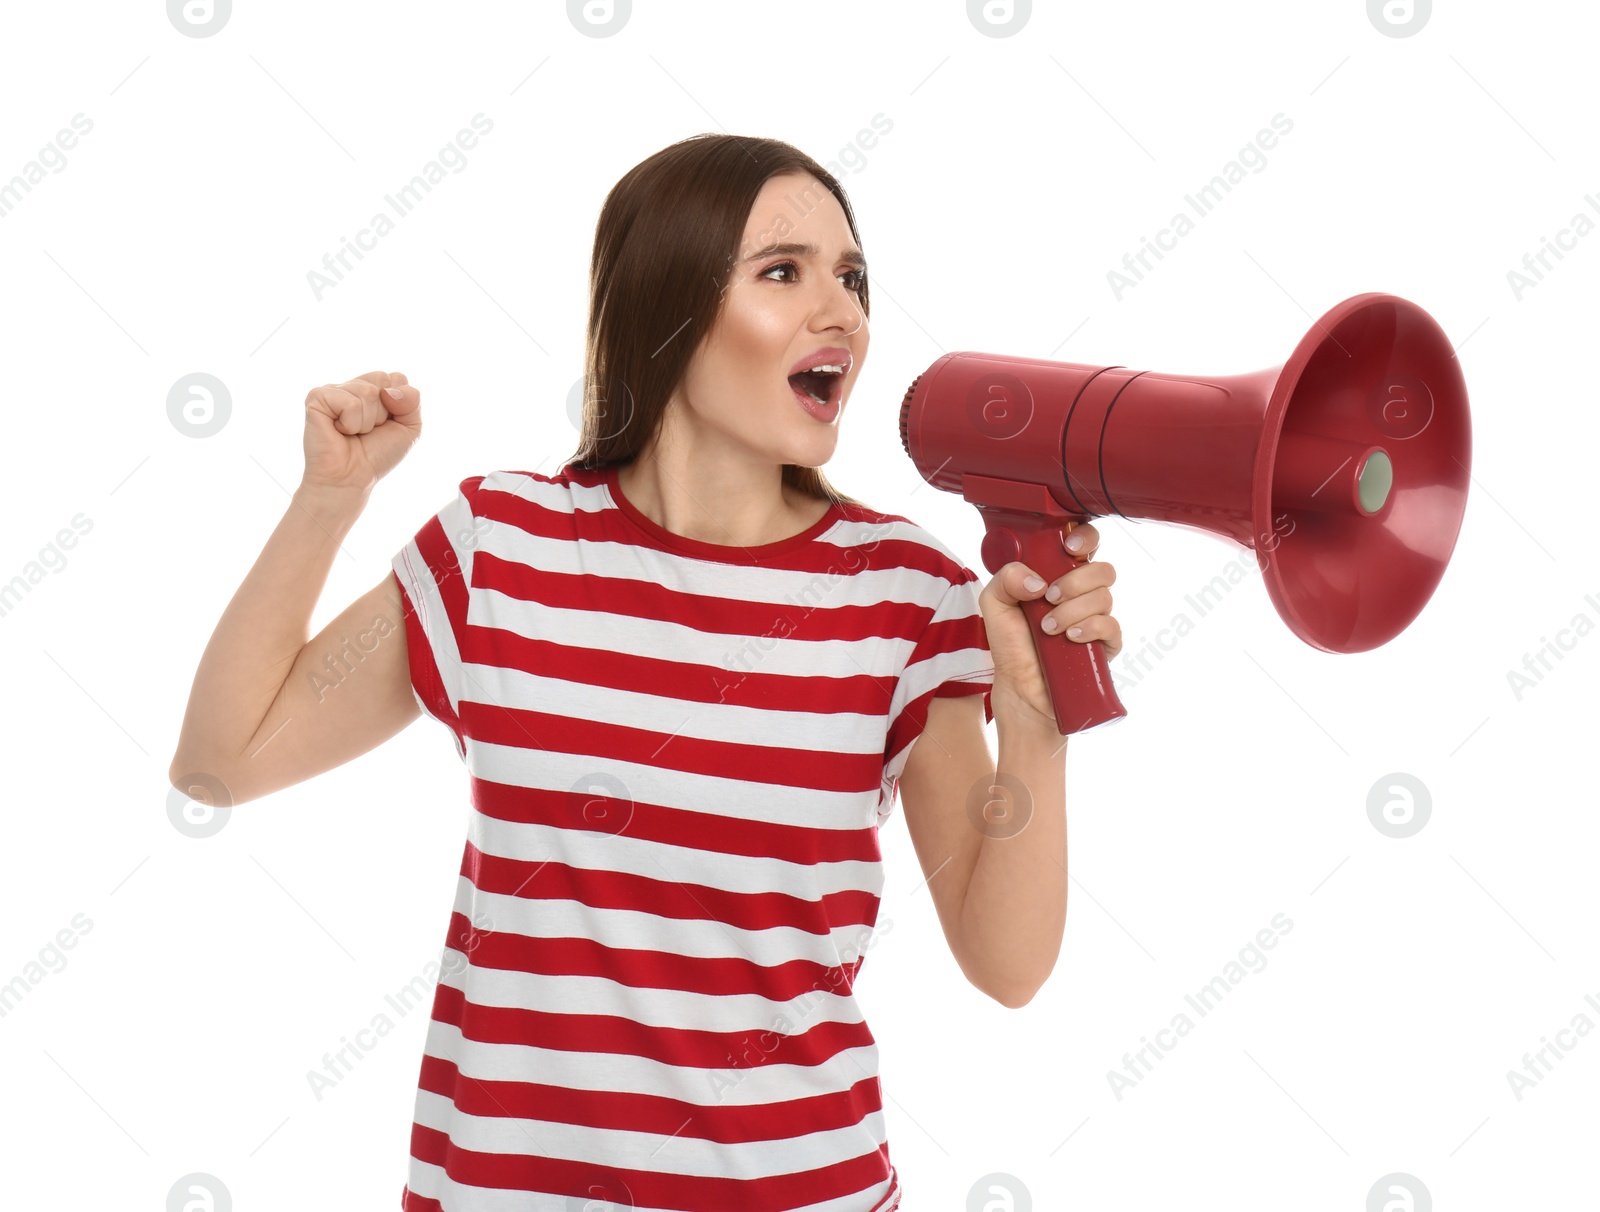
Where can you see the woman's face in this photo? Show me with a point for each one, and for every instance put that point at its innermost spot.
(779, 308)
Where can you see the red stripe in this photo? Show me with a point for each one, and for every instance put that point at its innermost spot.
(667, 897)
(678, 1046)
(424, 671)
(602, 525)
(596, 811)
(447, 566)
(627, 1111)
(653, 969)
(913, 717)
(785, 766)
(628, 1187)
(809, 616)
(739, 679)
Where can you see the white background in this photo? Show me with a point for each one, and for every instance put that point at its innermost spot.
(1377, 1039)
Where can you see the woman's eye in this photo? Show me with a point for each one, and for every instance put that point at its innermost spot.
(859, 276)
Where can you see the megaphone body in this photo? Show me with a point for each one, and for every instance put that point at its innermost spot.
(1345, 469)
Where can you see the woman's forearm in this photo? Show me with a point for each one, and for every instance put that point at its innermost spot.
(1015, 911)
(263, 629)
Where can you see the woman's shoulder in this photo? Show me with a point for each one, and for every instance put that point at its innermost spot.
(564, 489)
(907, 543)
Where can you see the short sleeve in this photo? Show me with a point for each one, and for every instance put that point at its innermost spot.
(434, 571)
(951, 658)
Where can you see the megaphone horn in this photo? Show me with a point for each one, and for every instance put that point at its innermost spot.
(1358, 448)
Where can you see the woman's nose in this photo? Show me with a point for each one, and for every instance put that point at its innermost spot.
(844, 309)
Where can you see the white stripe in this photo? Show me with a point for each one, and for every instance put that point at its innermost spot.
(725, 660)
(636, 929)
(660, 1152)
(844, 581)
(674, 1009)
(598, 850)
(420, 586)
(745, 1084)
(432, 1182)
(863, 586)
(739, 799)
(963, 664)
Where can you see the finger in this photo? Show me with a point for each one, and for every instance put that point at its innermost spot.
(382, 386)
(376, 390)
(360, 405)
(363, 416)
(1016, 583)
(1081, 607)
(1080, 580)
(402, 400)
(1104, 628)
(1095, 627)
(1087, 539)
(1100, 627)
(341, 405)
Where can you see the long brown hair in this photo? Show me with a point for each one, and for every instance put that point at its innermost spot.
(666, 241)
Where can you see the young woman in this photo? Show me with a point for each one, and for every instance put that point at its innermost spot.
(684, 674)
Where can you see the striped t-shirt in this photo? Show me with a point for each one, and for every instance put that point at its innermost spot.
(678, 755)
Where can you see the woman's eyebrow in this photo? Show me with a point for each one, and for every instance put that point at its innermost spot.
(851, 255)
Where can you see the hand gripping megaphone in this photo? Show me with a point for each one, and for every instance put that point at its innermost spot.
(1362, 440)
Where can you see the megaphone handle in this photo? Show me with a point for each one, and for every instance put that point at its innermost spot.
(1077, 674)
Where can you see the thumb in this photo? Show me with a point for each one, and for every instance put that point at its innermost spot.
(1016, 583)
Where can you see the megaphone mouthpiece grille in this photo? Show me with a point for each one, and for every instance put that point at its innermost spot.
(905, 416)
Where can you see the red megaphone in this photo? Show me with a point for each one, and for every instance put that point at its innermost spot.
(1345, 469)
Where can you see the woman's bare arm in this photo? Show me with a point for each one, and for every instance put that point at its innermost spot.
(269, 707)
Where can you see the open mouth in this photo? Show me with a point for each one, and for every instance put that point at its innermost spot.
(821, 386)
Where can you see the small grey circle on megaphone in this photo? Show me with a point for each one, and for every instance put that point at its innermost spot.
(1401, 406)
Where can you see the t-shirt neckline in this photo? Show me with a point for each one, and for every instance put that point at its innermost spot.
(726, 553)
